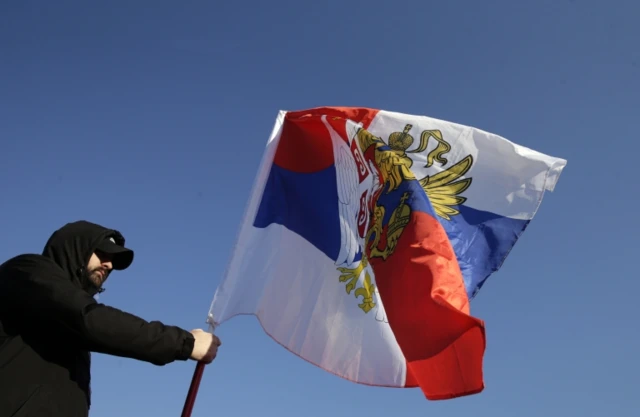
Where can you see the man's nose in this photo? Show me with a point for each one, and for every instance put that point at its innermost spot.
(108, 265)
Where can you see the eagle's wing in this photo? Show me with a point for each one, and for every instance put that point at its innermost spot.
(444, 188)
(349, 202)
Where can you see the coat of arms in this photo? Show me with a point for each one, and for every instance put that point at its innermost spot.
(372, 179)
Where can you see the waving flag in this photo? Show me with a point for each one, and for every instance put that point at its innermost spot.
(368, 232)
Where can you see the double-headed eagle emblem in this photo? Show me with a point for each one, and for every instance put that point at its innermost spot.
(366, 230)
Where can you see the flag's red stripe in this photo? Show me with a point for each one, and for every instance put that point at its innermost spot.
(426, 303)
(305, 144)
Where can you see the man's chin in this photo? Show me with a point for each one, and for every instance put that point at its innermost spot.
(98, 281)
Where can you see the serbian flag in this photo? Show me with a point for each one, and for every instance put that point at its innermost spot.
(366, 235)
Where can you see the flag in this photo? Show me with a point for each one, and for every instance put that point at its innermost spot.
(367, 234)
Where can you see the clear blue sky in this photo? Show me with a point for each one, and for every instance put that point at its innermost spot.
(151, 117)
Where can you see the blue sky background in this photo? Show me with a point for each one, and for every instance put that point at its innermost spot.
(151, 117)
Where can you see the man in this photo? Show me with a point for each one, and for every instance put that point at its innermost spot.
(50, 321)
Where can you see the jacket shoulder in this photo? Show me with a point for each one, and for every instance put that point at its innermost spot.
(27, 264)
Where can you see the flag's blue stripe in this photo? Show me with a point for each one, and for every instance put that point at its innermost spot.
(307, 204)
(481, 241)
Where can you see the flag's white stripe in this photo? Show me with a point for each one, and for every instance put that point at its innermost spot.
(508, 179)
(302, 305)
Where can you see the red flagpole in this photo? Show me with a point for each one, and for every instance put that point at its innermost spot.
(193, 390)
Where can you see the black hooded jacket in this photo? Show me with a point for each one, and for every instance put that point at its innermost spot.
(49, 322)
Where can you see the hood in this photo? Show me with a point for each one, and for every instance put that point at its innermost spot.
(72, 245)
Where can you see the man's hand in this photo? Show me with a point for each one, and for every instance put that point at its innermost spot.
(205, 347)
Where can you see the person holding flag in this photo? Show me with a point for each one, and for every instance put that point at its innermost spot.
(50, 322)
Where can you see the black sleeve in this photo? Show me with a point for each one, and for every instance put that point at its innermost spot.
(38, 295)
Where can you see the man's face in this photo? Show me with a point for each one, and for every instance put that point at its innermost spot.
(99, 268)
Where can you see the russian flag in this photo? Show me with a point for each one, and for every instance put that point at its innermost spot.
(366, 235)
